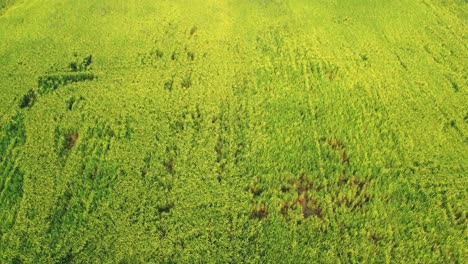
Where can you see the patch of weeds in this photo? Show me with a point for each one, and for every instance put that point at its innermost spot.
(151, 57)
(186, 82)
(307, 203)
(364, 57)
(461, 218)
(174, 56)
(193, 30)
(332, 73)
(219, 150)
(284, 210)
(190, 55)
(73, 101)
(256, 190)
(68, 258)
(70, 102)
(70, 139)
(260, 211)
(295, 194)
(80, 65)
(168, 85)
(50, 83)
(165, 208)
(169, 163)
(374, 237)
(455, 87)
(86, 63)
(158, 54)
(170, 166)
(339, 147)
(65, 140)
(28, 99)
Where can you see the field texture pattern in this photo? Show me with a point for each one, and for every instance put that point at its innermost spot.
(242, 131)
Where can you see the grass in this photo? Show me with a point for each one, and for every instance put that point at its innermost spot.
(233, 131)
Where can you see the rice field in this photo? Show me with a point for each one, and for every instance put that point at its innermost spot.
(233, 131)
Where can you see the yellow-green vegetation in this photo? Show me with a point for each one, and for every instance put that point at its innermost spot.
(243, 131)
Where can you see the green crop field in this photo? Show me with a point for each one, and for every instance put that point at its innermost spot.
(233, 131)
